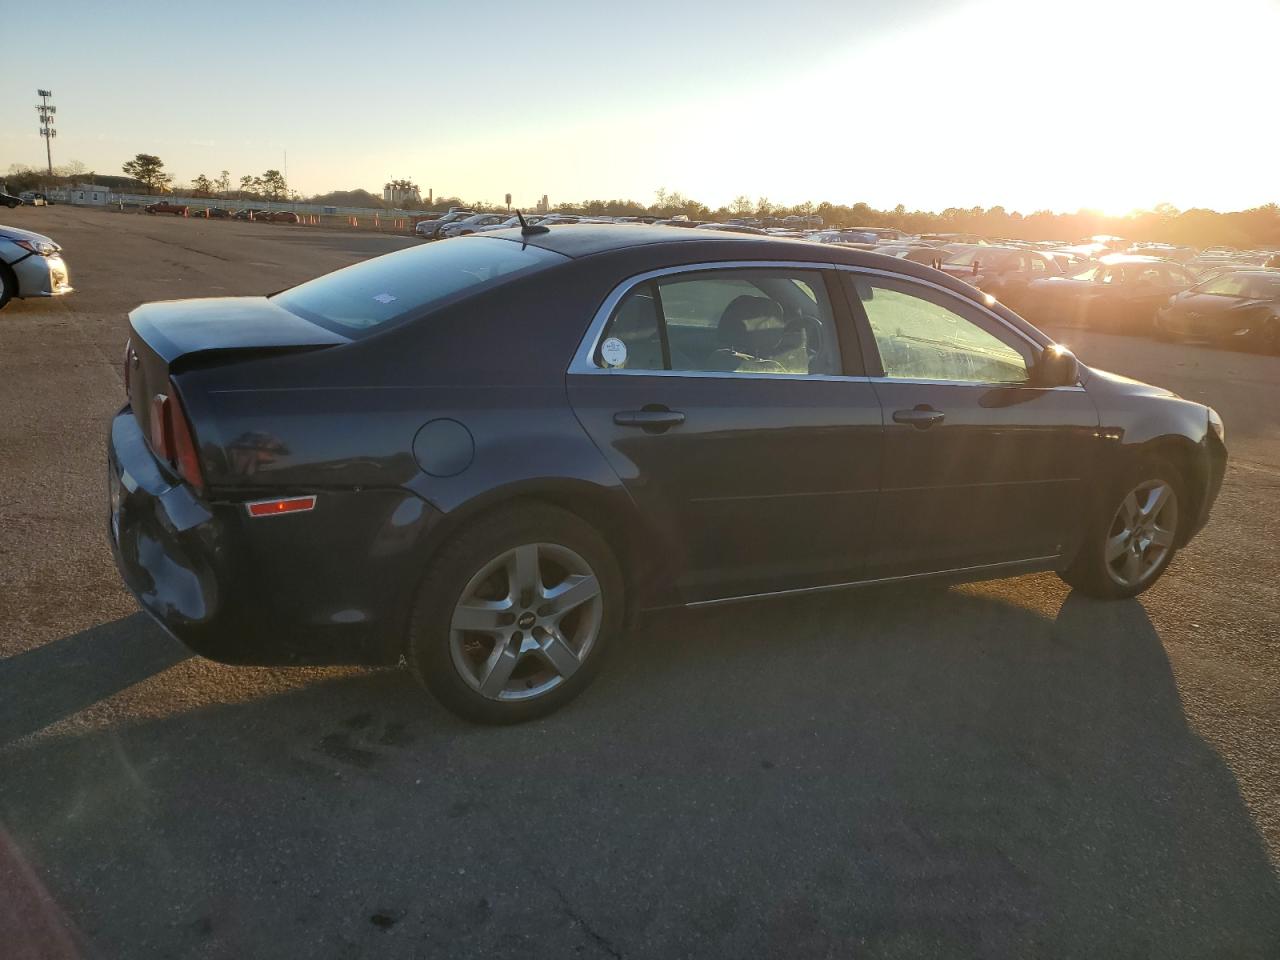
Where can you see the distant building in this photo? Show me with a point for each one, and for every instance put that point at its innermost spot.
(544, 205)
(401, 192)
(87, 193)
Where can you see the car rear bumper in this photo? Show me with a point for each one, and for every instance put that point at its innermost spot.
(330, 586)
(42, 276)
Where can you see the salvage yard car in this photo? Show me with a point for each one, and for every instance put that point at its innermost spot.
(30, 266)
(485, 456)
(1118, 294)
(165, 206)
(1243, 305)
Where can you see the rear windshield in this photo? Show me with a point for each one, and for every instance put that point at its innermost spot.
(385, 289)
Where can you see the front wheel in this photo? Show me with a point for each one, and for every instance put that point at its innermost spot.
(1132, 540)
(515, 615)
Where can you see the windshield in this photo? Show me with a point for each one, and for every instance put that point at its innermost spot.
(1251, 286)
(392, 287)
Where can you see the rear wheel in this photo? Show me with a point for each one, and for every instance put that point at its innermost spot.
(515, 615)
(1131, 541)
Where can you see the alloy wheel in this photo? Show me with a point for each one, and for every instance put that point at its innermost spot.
(526, 622)
(1142, 533)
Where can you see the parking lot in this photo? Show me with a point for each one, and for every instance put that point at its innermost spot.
(996, 770)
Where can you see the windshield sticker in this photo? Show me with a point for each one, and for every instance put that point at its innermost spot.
(613, 352)
(384, 298)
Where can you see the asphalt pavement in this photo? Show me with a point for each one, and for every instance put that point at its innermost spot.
(995, 770)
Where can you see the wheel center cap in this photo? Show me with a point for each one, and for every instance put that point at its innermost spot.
(526, 620)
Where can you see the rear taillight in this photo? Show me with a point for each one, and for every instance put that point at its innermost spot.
(171, 437)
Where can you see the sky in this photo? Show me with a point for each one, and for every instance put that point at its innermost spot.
(1108, 105)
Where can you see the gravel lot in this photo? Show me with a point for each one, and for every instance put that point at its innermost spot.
(1000, 770)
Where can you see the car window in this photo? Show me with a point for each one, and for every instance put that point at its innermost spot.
(391, 287)
(1227, 285)
(1089, 273)
(923, 334)
(1038, 266)
(763, 321)
(1112, 275)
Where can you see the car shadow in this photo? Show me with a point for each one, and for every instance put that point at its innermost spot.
(55, 680)
(891, 773)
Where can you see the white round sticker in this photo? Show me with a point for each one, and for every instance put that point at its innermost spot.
(613, 352)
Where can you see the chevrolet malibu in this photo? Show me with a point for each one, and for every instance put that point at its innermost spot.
(483, 457)
(31, 265)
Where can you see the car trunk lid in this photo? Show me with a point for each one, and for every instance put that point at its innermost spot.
(173, 335)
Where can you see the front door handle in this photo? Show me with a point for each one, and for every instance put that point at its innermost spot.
(922, 417)
(654, 420)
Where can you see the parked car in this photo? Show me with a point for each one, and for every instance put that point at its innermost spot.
(426, 225)
(34, 198)
(471, 224)
(733, 228)
(1241, 306)
(1003, 272)
(31, 265)
(928, 253)
(514, 221)
(213, 213)
(484, 455)
(279, 216)
(1119, 294)
(430, 229)
(9, 200)
(166, 206)
(248, 213)
(865, 238)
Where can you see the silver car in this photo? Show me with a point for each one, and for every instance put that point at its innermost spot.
(30, 266)
(471, 224)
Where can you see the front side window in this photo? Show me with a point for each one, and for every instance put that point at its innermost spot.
(927, 335)
(765, 321)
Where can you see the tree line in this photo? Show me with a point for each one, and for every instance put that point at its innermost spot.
(1256, 227)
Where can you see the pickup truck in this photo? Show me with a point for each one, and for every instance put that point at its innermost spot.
(164, 206)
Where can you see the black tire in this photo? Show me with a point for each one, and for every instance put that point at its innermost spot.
(8, 285)
(428, 650)
(1089, 571)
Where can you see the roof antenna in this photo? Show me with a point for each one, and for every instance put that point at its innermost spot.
(530, 229)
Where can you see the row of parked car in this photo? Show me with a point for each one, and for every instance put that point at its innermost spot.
(1230, 297)
(1103, 282)
(222, 213)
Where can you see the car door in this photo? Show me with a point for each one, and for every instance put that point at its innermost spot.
(732, 403)
(980, 467)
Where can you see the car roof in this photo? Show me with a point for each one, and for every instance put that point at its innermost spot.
(1120, 259)
(586, 239)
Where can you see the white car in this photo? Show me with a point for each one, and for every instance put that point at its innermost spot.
(31, 265)
(472, 224)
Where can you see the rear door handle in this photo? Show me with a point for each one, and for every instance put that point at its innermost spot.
(922, 417)
(649, 419)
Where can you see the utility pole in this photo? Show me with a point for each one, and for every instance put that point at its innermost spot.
(46, 111)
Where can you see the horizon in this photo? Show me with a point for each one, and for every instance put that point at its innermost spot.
(948, 105)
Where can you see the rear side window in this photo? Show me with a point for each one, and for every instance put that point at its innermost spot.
(762, 321)
(380, 291)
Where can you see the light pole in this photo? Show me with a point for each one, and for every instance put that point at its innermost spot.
(46, 111)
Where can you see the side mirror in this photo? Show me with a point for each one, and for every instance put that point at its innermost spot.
(1057, 367)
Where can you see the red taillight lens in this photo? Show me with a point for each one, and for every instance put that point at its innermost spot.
(161, 432)
(171, 437)
(185, 457)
